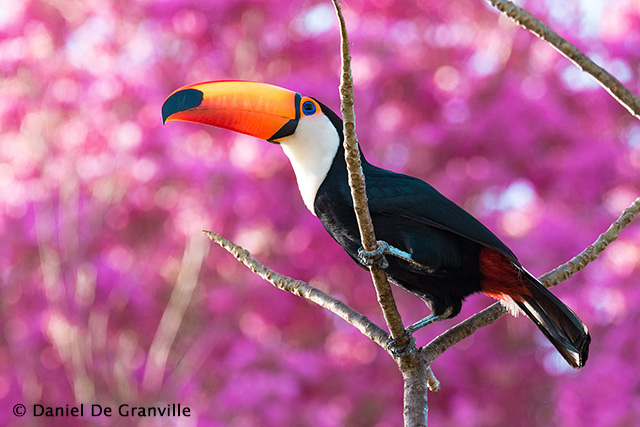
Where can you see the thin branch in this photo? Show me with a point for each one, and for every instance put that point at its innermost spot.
(592, 252)
(412, 365)
(358, 187)
(490, 314)
(304, 290)
(525, 19)
(432, 381)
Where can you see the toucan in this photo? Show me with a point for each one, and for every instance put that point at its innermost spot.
(435, 249)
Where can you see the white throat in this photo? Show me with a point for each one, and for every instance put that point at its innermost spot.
(311, 150)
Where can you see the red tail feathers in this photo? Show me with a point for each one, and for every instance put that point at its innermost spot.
(501, 278)
(505, 280)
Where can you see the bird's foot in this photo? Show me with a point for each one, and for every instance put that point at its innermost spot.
(429, 320)
(376, 256)
(402, 346)
(406, 344)
(422, 323)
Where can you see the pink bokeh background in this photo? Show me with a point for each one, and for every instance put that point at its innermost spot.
(111, 294)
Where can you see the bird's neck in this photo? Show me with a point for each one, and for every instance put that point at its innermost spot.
(311, 151)
(316, 154)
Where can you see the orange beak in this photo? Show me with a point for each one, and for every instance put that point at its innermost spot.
(257, 109)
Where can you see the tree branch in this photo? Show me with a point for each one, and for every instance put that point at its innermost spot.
(304, 290)
(358, 187)
(418, 378)
(561, 273)
(525, 19)
(580, 261)
(416, 373)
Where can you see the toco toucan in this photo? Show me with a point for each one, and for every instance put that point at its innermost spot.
(439, 252)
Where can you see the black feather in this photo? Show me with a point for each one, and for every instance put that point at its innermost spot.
(556, 321)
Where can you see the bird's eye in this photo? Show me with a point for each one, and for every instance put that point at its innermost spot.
(308, 108)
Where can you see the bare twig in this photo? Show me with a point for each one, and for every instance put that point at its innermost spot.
(412, 365)
(525, 19)
(487, 316)
(592, 252)
(304, 290)
(432, 381)
(358, 187)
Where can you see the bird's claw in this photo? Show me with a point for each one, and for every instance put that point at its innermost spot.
(376, 256)
(401, 350)
(408, 340)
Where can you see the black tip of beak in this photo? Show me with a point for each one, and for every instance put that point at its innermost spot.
(181, 101)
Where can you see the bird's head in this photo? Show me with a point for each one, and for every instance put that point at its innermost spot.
(307, 130)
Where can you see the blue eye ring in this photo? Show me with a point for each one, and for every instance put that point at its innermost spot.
(308, 108)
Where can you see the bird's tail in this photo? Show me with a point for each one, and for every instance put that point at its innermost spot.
(559, 324)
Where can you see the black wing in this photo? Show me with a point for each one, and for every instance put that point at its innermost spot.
(413, 203)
